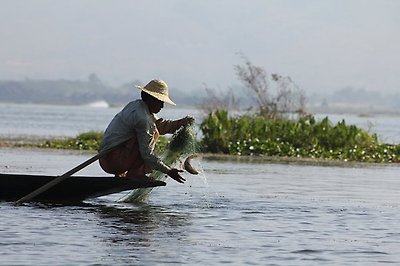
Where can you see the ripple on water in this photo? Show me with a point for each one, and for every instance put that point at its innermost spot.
(247, 214)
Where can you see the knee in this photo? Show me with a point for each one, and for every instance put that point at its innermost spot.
(105, 165)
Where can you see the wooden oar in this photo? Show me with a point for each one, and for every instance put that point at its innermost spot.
(61, 178)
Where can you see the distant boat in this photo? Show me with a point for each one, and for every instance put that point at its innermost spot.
(98, 104)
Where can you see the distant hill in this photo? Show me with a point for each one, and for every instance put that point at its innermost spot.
(93, 90)
(351, 100)
(76, 92)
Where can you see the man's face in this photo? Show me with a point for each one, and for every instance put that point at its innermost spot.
(155, 105)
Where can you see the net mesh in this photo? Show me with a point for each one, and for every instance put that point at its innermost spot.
(182, 143)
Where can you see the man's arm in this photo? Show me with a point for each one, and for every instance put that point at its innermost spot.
(144, 135)
(170, 126)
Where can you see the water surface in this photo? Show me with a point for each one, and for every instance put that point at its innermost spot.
(234, 213)
(239, 213)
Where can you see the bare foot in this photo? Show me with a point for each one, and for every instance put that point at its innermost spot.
(121, 174)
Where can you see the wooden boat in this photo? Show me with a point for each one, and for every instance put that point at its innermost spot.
(75, 188)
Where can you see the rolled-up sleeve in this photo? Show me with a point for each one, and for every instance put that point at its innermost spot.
(144, 132)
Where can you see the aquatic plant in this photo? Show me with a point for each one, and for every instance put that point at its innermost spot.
(85, 141)
(304, 137)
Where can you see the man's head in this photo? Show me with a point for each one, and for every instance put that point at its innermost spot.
(155, 94)
(158, 89)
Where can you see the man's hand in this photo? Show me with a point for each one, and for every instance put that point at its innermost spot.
(187, 120)
(174, 174)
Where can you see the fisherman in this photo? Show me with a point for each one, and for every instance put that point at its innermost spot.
(132, 134)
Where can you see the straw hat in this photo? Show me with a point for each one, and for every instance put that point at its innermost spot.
(158, 89)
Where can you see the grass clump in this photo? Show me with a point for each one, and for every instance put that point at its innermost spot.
(85, 141)
(305, 138)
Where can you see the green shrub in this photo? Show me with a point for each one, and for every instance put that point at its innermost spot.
(305, 137)
(84, 141)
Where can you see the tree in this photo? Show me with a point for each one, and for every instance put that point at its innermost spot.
(287, 99)
(223, 101)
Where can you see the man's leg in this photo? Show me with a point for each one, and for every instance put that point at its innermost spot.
(123, 159)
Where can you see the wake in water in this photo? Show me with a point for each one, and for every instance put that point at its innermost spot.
(183, 143)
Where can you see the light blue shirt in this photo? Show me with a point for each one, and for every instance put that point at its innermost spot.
(135, 120)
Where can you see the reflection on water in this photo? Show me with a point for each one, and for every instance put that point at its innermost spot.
(139, 232)
(139, 219)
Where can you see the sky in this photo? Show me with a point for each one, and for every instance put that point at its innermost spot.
(322, 45)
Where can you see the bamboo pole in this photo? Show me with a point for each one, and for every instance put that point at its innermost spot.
(61, 178)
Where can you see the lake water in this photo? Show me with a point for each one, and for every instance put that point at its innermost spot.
(235, 212)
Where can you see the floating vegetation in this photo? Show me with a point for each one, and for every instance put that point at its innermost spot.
(86, 141)
(302, 138)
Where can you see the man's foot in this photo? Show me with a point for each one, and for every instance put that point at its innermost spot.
(121, 174)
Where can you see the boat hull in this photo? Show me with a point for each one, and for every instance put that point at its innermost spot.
(75, 188)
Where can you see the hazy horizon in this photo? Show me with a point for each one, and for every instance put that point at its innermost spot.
(322, 45)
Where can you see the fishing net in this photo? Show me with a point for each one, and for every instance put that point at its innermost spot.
(182, 143)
